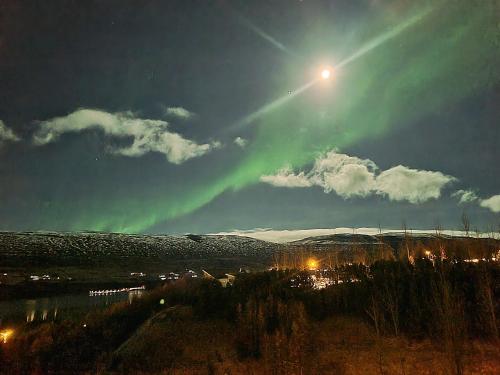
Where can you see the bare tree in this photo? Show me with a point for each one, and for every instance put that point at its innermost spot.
(376, 313)
(390, 299)
(407, 244)
(487, 299)
(465, 223)
(450, 319)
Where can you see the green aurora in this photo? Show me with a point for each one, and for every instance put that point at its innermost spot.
(451, 53)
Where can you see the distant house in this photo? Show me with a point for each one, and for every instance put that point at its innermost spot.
(206, 275)
(224, 281)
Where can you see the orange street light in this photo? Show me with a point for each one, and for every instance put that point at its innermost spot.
(312, 264)
(5, 335)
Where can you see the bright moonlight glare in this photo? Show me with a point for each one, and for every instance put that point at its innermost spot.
(325, 74)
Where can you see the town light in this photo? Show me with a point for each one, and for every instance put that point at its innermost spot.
(5, 335)
(312, 264)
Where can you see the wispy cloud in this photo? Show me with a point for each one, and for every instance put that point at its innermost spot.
(469, 196)
(178, 112)
(350, 176)
(286, 178)
(6, 134)
(465, 196)
(146, 135)
(492, 203)
(240, 142)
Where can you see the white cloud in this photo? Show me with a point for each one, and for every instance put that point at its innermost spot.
(7, 134)
(493, 203)
(346, 175)
(350, 176)
(468, 196)
(401, 183)
(286, 178)
(465, 196)
(240, 142)
(146, 135)
(178, 112)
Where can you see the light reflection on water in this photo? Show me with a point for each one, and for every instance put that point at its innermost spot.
(50, 308)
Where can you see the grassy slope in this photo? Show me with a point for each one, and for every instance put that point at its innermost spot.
(174, 342)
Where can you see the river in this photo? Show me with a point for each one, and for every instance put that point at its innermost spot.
(60, 307)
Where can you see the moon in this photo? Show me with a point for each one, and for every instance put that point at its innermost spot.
(325, 73)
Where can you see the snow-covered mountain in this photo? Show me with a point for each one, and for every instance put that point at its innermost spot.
(39, 248)
(21, 249)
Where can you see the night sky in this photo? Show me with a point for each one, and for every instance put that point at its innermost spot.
(205, 116)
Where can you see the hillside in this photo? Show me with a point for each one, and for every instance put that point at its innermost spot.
(84, 249)
(87, 249)
(395, 241)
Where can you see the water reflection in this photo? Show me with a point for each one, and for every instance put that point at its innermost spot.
(48, 309)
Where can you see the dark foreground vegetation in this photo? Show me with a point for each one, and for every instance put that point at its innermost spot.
(393, 317)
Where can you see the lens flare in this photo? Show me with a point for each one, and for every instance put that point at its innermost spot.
(392, 33)
(271, 106)
(268, 38)
(326, 73)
